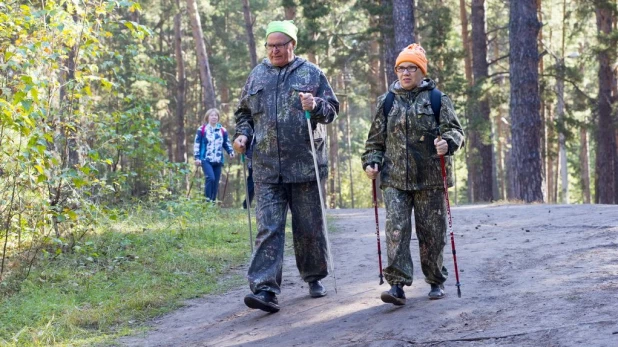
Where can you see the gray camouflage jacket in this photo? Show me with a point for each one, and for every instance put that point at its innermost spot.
(270, 110)
(402, 142)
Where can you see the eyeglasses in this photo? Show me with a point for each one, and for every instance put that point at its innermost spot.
(270, 47)
(410, 69)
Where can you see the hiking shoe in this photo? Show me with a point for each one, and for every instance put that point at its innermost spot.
(437, 292)
(394, 296)
(262, 300)
(316, 289)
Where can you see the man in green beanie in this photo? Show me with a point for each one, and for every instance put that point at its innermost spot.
(271, 116)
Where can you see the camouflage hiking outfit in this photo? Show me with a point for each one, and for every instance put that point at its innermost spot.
(271, 115)
(402, 144)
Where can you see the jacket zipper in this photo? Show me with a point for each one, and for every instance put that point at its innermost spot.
(280, 178)
(407, 146)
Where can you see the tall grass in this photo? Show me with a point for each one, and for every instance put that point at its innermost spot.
(140, 266)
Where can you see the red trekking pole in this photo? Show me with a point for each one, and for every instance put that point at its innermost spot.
(450, 221)
(375, 208)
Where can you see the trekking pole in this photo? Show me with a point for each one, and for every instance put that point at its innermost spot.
(375, 207)
(450, 221)
(317, 177)
(191, 181)
(244, 173)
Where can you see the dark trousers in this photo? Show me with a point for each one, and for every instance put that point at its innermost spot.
(430, 220)
(310, 248)
(212, 172)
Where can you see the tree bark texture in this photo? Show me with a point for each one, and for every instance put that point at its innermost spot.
(584, 164)
(544, 120)
(181, 78)
(463, 14)
(606, 139)
(208, 90)
(376, 86)
(249, 27)
(562, 153)
(388, 41)
(527, 171)
(403, 21)
(480, 164)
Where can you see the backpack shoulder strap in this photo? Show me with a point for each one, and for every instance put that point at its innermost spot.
(435, 96)
(203, 131)
(388, 103)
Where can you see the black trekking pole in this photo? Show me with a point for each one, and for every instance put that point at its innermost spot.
(375, 207)
(244, 173)
(450, 221)
(317, 178)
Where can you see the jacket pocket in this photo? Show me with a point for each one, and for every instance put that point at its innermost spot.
(256, 99)
(425, 117)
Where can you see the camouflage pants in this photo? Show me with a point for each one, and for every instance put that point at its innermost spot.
(430, 220)
(310, 246)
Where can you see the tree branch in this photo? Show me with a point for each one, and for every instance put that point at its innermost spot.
(497, 60)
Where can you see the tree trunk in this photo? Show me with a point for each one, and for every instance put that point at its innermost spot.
(181, 78)
(606, 140)
(249, 27)
(463, 13)
(564, 176)
(584, 164)
(544, 120)
(376, 86)
(403, 21)
(561, 70)
(527, 174)
(333, 149)
(388, 41)
(208, 90)
(480, 170)
(289, 7)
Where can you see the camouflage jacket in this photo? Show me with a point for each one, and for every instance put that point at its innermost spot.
(270, 111)
(402, 142)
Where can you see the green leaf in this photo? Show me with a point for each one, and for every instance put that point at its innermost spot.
(27, 104)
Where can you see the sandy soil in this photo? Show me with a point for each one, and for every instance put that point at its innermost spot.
(532, 275)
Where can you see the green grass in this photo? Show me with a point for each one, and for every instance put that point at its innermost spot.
(129, 271)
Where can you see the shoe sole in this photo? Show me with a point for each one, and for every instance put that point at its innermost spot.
(433, 297)
(317, 295)
(258, 304)
(389, 299)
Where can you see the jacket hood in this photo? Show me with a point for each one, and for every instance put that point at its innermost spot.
(298, 61)
(426, 84)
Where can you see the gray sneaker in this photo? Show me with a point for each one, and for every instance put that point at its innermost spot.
(316, 289)
(437, 292)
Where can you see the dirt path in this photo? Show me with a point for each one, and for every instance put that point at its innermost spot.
(532, 275)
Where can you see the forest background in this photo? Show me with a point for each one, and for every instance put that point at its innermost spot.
(100, 101)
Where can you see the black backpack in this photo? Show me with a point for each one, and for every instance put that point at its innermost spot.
(435, 96)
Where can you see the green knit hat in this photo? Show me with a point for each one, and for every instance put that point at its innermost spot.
(286, 26)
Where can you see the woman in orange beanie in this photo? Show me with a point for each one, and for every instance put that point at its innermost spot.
(404, 149)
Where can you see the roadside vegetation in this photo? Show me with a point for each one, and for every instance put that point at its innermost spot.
(139, 266)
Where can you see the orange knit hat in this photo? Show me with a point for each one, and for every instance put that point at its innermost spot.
(415, 54)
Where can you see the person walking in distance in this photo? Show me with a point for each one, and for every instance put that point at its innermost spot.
(210, 141)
